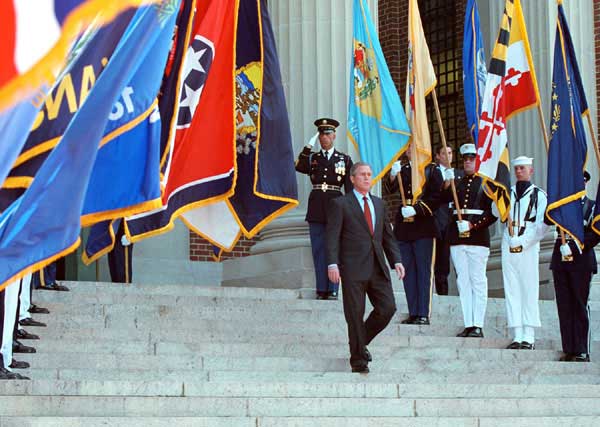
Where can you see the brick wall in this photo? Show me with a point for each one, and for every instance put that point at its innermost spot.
(201, 250)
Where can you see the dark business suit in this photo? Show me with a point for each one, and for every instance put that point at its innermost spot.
(361, 258)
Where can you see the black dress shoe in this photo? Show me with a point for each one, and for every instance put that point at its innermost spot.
(515, 345)
(55, 287)
(421, 321)
(464, 333)
(18, 364)
(527, 346)
(581, 357)
(321, 295)
(566, 357)
(475, 333)
(368, 355)
(17, 347)
(333, 296)
(22, 334)
(28, 321)
(5, 374)
(34, 309)
(410, 320)
(361, 369)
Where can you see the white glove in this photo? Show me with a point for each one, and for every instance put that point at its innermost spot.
(448, 174)
(125, 241)
(515, 242)
(408, 211)
(565, 250)
(313, 140)
(395, 168)
(463, 226)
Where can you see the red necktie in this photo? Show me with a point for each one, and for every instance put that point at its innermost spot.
(368, 215)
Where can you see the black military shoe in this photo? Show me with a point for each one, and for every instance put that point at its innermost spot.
(22, 334)
(421, 321)
(566, 357)
(368, 355)
(410, 320)
(5, 374)
(515, 345)
(21, 348)
(581, 357)
(28, 321)
(18, 364)
(464, 333)
(364, 369)
(34, 309)
(333, 295)
(527, 346)
(322, 295)
(55, 287)
(475, 333)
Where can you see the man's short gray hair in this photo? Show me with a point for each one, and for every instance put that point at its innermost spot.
(356, 165)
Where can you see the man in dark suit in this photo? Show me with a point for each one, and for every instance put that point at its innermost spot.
(359, 239)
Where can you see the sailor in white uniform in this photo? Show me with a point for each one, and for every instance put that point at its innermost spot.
(520, 255)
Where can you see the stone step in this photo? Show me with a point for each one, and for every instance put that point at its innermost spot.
(208, 328)
(563, 421)
(193, 360)
(52, 352)
(111, 406)
(190, 388)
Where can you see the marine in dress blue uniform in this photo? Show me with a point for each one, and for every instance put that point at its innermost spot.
(329, 172)
(416, 231)
(572, 281)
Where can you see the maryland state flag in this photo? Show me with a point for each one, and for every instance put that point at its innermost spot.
(568, 146)
(199, 163)
(376, 122)
(511, 88)
(420, 82)
(266, 184)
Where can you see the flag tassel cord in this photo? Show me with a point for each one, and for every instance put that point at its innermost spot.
(594, 139)
(445, 145)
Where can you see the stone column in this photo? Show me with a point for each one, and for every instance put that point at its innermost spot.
(314, 43)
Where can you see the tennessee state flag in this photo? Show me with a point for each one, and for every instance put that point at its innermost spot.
(420, 82)
(511, 87)
(200, 168)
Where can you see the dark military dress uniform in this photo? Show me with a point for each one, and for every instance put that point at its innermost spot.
(572, 286)
(328, 176)
(416, 241)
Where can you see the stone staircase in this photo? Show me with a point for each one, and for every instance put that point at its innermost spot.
(176, 355)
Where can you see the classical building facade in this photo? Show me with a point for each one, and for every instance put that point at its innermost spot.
(314, 43)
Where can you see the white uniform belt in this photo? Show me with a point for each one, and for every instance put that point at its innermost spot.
(470, 212)
(325, 187)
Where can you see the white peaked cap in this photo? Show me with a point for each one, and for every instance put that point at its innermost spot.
(523, 161)
(468, 149)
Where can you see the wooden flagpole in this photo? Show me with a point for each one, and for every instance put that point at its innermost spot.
(445, 145)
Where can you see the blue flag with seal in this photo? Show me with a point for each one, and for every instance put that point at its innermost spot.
(44, 223)
(377, 124)
(568, 146)
(474, 68)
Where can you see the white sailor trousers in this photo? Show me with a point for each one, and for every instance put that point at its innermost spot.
(470, 263)
(521, 276)
(11, 300)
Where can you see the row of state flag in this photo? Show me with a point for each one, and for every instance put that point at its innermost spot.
(492, 96)
(138, 113)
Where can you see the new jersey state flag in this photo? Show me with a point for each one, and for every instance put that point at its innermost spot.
(44, 223)
(511, 88)
(420, 81)
(568, 146)
(200, 166)
(377, 123)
